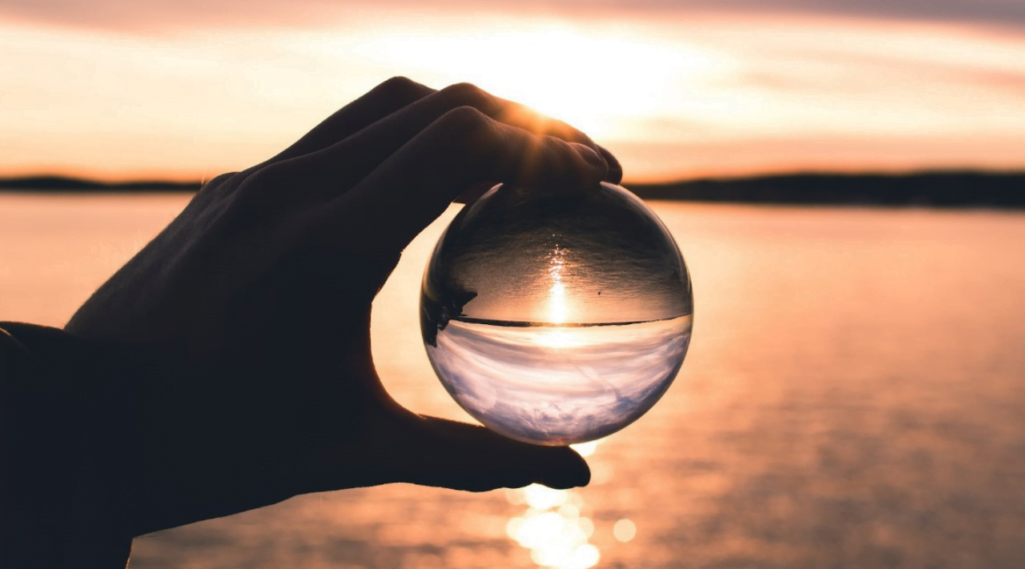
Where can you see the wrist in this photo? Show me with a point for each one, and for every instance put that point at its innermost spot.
(67, 448)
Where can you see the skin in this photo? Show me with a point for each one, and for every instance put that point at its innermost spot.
(248, 317)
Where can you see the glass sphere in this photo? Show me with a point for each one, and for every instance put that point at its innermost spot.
(556, 316)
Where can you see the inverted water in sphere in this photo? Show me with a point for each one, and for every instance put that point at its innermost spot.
(556, 316)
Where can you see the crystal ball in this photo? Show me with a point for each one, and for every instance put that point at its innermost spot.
(556, 316)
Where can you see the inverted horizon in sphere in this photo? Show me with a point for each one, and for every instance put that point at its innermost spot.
(559, 385)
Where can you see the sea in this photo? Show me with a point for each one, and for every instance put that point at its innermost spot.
(853, 397)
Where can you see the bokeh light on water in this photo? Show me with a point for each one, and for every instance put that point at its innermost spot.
(553, 528)
(624, 530)
(556, 526)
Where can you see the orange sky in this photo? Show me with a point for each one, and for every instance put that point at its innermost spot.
(673, 93)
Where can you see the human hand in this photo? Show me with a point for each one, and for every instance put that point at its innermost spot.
(253, 307)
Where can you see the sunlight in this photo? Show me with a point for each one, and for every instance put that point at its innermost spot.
(557, 296)
(557, 337)
(597, 77)
(725, 95)
(588, 448)
(553, 528)
(557, 303)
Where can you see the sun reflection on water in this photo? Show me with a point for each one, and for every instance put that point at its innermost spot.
(555, 527)
(557, 338)
(557, 298)
(554, 530)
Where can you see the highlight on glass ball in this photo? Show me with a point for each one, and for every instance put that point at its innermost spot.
(556, 316)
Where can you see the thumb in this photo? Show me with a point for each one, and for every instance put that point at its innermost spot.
(456, 455)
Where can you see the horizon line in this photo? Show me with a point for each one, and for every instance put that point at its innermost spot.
(53, 181)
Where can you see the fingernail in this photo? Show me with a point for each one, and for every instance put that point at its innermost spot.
(589, 155)
(615, 174)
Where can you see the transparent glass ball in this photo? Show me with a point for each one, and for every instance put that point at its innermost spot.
(556, 316)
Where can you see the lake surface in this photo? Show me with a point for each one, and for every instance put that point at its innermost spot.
(853, 397)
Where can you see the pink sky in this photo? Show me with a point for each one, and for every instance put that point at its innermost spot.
(185, 90)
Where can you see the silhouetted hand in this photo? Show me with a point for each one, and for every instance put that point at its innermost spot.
(249, 314)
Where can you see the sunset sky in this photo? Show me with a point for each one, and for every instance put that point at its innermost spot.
(187, 89)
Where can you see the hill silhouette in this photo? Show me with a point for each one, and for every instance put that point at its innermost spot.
(63, 184)
(936, 189)
(932, 189)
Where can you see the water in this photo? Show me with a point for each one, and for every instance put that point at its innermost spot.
(559, 384)
(851, 398)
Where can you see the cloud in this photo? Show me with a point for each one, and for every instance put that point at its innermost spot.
(691, 95)
(990, 11)
(132, 15)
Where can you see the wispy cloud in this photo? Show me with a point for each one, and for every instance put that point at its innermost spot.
(132, 15)
(673, 95)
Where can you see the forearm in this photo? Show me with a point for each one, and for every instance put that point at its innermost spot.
(65, 452)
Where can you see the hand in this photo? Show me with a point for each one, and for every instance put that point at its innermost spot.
(253, 310)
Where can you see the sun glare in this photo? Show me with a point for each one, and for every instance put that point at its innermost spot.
(557, 303)
(557, 294)
(557, 338)
(600, 78)
(553, 528)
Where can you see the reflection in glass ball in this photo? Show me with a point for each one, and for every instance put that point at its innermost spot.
(556, 316)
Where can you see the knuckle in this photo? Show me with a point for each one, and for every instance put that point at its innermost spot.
(550, 150)
(263, 195)
(465, 131)
(568, 132)
(469, 94)
(267, 179)
(218, 181)
(400, 87)
(463, 120)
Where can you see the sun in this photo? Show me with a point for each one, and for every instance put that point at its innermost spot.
(565, 73)
(600, 78)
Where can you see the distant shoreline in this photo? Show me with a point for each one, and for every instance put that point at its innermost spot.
(946, 189)
(64, 184)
